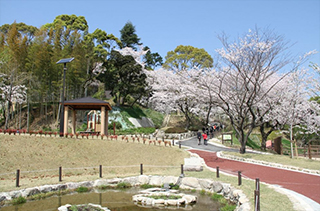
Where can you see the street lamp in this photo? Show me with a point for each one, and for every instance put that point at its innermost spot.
(64, 62)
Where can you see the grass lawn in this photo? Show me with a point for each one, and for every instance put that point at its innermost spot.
(39, 158)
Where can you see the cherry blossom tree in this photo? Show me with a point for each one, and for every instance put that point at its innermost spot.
(242, 84)
(293, 107)
(173, 92)
(10, 94)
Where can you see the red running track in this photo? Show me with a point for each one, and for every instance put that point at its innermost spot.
(305, 184)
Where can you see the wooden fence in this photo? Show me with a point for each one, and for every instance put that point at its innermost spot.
(100, 170)
(310, 151)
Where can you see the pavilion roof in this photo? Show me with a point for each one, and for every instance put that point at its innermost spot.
(87, 103)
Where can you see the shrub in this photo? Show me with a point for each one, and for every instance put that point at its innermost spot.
(174, 186)
(228, 207)
(216, 196)
(82, 189)
(146, 186)
(123, 185)
(19, 200)
(202, 192)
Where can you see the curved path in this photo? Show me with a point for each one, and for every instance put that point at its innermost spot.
(305, 184)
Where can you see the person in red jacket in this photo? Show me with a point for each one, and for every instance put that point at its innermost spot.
(205, 136)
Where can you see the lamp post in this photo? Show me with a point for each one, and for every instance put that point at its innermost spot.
(64, 62)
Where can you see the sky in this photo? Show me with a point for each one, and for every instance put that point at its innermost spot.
(163, 25)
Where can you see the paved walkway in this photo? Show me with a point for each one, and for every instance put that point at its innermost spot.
(305, 184)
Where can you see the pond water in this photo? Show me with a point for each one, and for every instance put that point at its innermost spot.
(115, 200)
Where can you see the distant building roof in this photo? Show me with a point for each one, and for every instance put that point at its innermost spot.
(87, 103)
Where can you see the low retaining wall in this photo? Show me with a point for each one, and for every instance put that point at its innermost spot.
(175, 136)
(229, 192)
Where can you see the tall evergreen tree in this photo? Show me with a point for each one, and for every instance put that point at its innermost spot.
(129, 38)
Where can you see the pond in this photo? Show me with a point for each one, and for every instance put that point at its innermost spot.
(115, 200)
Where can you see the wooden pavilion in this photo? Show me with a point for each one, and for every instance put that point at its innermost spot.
(86, 103)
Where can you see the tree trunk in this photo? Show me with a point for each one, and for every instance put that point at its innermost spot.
(208, 115)
(20, 111)
(28, 113)
(264, 136)
(135, 101)
(296, 148)
(8, 116)
(242, 138)
(243, 147)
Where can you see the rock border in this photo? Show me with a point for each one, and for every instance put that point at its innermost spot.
(65, 207)
(144, 198)
(265, 163)
(234, 195)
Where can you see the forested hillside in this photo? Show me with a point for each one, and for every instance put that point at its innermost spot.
(253, 84)
(30, 75)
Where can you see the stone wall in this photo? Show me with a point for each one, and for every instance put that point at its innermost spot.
(229, 192)
(175, 136)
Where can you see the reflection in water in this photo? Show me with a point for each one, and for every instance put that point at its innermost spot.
(115, 200)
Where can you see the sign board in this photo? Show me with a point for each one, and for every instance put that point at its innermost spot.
(227, 137)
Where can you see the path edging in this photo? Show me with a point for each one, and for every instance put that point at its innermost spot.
(265, 163)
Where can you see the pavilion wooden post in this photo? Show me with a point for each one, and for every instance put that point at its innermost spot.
(103, 120)
(74, 120)
(107, 122)
(66, 112)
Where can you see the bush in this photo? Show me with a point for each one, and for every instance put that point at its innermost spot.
(82, 189)
(19, 200)
(146, 186)
(174, 186)
(228, 207)
(104, 187)
(123, 185)
(202, 192)
(216, 196)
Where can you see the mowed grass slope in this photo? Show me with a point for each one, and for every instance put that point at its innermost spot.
(33, 154)
(39, 159)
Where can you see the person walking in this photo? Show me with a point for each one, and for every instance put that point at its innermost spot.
(199, 137)
(205, 136)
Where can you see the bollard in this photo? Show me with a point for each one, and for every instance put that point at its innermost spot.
(180, 144)
(257, 184)
(239, 178)
(18, 178)
(182, 169)
(60, 174)
(256, 200)
(100, 171)
(218, 172)
(257, 196)
(141, 169)
(172, 142)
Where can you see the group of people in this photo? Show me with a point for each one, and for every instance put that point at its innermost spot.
(205, 137)
(206, 131)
